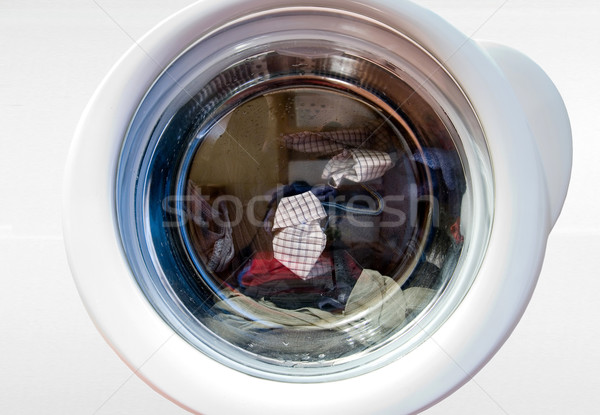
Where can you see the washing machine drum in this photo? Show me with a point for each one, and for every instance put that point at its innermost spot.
(303, 215)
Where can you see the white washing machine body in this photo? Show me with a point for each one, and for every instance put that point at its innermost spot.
(525, 158)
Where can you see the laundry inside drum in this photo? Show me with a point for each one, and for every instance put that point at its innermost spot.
(320, 225)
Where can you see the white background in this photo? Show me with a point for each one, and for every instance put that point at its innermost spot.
(53, 54)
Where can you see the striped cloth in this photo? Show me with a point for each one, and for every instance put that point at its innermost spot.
(357, 165)
(299, 240)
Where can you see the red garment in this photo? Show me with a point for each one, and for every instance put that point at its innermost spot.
(265, 269)
(270, 279)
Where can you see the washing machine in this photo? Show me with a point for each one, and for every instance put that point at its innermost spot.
(313, 207)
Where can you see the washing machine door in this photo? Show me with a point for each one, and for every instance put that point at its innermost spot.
(288, 209)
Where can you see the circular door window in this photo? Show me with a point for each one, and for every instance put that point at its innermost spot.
(304, 204)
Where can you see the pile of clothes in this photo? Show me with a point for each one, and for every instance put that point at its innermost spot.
(313, 276)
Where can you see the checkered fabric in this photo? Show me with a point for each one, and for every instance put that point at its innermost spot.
(333, 141)
(300, 240)
(300, 209)
(299, 248)
(310, 142)
(357, 165)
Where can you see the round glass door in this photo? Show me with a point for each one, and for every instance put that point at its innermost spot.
(302, 204)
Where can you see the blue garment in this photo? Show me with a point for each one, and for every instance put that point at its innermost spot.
(446, 175)
(345, 278)
(444, 160)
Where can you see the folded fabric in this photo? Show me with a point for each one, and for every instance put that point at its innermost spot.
(302, 209)
(299, 241)
(323, 193)
(210, 230)
(299, 247)
(369, 136)
(357, 165)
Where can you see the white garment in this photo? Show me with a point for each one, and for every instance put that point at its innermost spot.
(299, 241)
(357, 165)
(376, 300)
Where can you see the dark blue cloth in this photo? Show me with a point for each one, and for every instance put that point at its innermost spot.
(444, 160)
